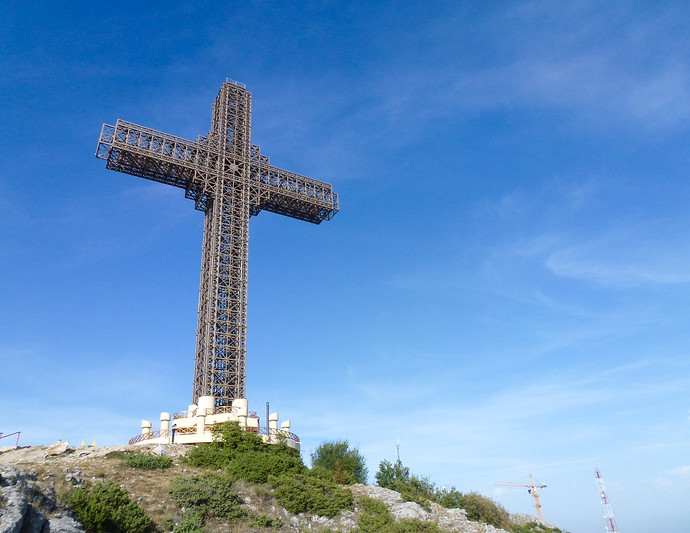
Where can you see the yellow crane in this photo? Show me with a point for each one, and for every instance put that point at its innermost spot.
(532, 489)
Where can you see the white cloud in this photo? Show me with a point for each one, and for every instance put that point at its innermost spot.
(621, 260)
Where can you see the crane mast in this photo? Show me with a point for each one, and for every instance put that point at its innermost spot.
(611, 526)
(532, 489)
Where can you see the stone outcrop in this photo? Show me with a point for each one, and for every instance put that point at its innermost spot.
(27, 508)
(447, 519)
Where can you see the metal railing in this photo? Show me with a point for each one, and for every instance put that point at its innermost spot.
(148, 436)
(279, 433)
(216, 411)
(16, 445)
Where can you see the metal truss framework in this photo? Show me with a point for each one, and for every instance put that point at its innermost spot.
(229, 180)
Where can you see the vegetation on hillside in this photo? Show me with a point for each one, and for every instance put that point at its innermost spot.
(345, 465)
(396, 476)
(105, 507)
(238, 465)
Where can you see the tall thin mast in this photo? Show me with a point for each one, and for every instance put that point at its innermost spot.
(611, 526)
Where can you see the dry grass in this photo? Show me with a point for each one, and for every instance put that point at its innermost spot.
(149, 488)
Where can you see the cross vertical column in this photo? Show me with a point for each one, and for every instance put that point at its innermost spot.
(229, 180)
(220, 363)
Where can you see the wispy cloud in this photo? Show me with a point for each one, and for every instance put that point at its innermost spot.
(621, 261)
(596, 65)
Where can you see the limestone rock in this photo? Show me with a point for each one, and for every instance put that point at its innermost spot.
(159, 450)
(29, 509)
(407, 510)
(63, 524)
(14, 509)
(58, 448)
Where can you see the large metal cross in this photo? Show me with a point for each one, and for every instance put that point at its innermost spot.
(229, 180)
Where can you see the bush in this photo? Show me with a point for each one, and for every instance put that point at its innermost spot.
(412, 488)
(206, 456)
(479, 508)
(148, 462)
(106, 508)
(232, 438)
(192, 522)
(255, 467)
(390, 475)
(346, 464)
(243, 453)
(309, 494)
(374, 516)
(263, 520)
(209, 495)
(119, 454)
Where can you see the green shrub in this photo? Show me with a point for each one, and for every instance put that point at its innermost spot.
(309, 494)
(479, 508)
(263, 520)
(209, 495)
(390, 475)
(231, 444)
(147, 461)
(106, 508)
(411, 488)
(346, 464)
(192, 522)
(374, 516)
(232, 438)
(119, 454)
(320, 473)
(255, 467)
(209, 455)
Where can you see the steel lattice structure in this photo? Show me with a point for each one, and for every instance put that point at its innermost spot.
(229, 180)
(611, 526)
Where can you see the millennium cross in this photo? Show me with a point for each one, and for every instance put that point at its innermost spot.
(229, 180)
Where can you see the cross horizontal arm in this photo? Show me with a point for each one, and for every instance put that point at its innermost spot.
(158, 156)
(193, 166)
(290, 194)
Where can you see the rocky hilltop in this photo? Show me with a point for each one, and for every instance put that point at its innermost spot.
(35, 482)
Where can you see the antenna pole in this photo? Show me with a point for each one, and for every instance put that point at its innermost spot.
(611, 526)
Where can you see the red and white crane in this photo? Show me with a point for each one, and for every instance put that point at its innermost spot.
(611, 526)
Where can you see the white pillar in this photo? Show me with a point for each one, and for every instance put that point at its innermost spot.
(165, 422)
(208, 403)
(240, 406)
(273, 421)
(201, 421)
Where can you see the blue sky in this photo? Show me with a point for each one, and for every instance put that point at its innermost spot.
(505, 289)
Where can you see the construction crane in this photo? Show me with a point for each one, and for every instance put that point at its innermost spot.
(532, 489)
(611, 526)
